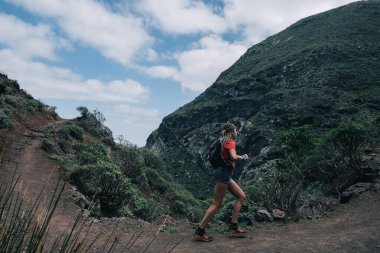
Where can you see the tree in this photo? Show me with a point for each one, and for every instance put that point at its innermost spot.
(343, 150)
(289, 176)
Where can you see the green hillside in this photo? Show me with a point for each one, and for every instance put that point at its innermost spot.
(111, 178)
(318, 73)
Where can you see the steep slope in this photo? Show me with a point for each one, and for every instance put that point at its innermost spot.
(120, 179)
(321, 71)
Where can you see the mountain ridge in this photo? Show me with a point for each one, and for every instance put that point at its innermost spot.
(321, 71)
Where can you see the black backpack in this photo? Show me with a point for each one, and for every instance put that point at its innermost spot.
(215, 156)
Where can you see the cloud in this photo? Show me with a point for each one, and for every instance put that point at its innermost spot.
(182, 16)
(136, 111)
(160, 71)
(200, 66)
(134, 123)
(47, 82)
(29, 40)
(260, 18)
(115, 36)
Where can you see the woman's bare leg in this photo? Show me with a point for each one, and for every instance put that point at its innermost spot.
(235, 189)
(219, 192)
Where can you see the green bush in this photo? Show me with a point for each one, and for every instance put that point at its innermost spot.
(73, 131)
(341, 152)
(104, 182)
(91, 152)
(152, 160)
(184, 203)
(148, 209)
(131, 163)
(34, 105)
(155, 181)
(247, 211)
(5, 119)
(283, 183)
(93, 122)
(49, 145)
(12, 100)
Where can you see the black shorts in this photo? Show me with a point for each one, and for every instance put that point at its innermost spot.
(222, 175)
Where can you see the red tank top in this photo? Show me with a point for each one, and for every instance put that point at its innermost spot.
(230, 144)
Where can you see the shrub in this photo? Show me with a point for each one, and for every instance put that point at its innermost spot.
(247, 211)
(91, 152)
(152, 160)
(155, 181)
(104, 182)
(51, 110)
(341, 150)
(5, 119)
(285, 181)
(49, 145)
(12, 100)
(34, 105)
(148, 209)
(185, 203)
(73, 131)
(93, 122)
(131, 163)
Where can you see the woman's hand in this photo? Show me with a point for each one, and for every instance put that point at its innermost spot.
(245, 157)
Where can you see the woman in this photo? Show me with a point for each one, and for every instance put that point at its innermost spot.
(224, 182)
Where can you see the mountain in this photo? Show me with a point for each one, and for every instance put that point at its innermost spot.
(322, 71)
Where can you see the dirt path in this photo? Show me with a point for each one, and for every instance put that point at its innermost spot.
(352, 227)
(25, 158)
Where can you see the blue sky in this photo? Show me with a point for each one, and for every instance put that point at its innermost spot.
(136, 61)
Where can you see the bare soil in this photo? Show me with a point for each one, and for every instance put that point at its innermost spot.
(350, 227)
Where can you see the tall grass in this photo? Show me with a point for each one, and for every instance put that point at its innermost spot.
(24, 226)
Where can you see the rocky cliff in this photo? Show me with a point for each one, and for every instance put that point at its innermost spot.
(321, 71)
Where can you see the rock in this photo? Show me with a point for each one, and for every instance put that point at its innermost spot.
(169, 221)
(278, 214)
(263, 215)
(366, 186)
(247, 219)
(355, 190)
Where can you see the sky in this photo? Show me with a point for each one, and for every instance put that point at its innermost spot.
(135, 61)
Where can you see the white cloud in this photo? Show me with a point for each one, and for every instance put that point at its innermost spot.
(160, 71)
(134, 123)
(29, 40)
(47, 82)
(183, 16)
(200, 66)
(115, 36)
(260, 18)
(136, 111)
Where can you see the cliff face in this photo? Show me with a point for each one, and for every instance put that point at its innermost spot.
(321, 71)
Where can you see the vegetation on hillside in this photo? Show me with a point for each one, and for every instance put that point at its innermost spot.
(119, 178)
(16, 103)
(321, 72)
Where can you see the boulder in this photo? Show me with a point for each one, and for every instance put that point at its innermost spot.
(263, 215)
(278, 214)
(247, 219)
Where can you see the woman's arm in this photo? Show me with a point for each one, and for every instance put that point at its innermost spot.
(234, 156)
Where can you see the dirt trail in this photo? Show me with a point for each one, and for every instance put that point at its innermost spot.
(352, 227)
(25, 158)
